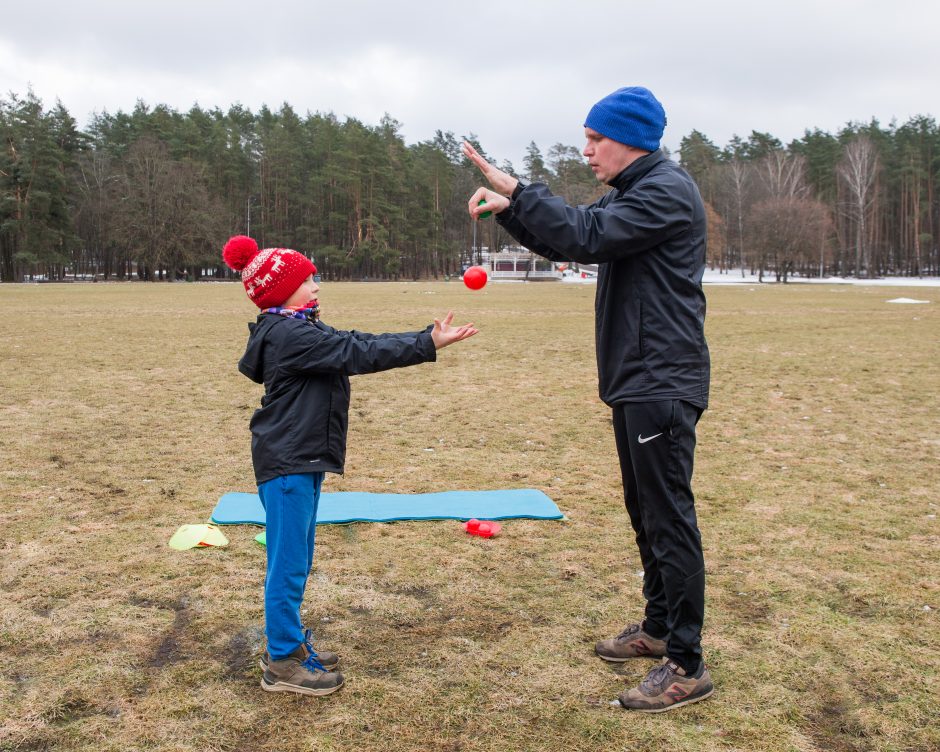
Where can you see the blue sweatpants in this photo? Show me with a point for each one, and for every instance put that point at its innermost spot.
(290, 506)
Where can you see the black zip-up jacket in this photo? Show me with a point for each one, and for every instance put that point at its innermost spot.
(305, 368)
(648, 237)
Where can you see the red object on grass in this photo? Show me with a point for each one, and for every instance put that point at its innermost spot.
(483, 529)
(475, 277)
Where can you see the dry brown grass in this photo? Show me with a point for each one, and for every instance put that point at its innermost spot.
(123, 417)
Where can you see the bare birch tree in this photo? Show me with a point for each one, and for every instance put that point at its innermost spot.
(857, 172)
(783, 175)
(732, 196)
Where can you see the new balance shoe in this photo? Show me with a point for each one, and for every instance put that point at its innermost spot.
(666, 687)
(633, 642)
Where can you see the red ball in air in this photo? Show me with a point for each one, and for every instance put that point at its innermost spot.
(475, 277)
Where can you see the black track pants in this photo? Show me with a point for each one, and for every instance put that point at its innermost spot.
(656, 444)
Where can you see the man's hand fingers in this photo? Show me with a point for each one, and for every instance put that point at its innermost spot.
(476, 209)
(471, 153)
(493, 202)
(474, 200)
(474, 156)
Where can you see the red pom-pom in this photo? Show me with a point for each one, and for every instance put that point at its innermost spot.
(239, 251)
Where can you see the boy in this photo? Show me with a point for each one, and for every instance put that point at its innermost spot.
(299, 433)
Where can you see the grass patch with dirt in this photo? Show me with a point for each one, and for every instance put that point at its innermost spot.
(124, 417)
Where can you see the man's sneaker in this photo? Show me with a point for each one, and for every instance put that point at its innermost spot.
(300, 672)
(633, 642)
(667, 687)
(328, 659)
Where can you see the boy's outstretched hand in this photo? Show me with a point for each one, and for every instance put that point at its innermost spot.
(444, 334)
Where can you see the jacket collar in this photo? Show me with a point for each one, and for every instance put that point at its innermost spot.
(637, 169)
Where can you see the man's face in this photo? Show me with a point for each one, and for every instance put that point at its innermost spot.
(607, 158)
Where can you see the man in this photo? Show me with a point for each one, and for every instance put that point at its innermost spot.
(648, 237)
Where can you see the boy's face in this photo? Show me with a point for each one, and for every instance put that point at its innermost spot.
(303, 295)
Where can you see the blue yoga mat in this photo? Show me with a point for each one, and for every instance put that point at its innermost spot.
(343, 507)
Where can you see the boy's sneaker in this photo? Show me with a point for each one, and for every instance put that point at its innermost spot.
(667, 687)
(633, 642)
(328, 659)
(300, 672)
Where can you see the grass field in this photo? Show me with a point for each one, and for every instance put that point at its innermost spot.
(123, 417)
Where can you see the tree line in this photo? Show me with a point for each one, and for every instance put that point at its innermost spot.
(154, 193)
(863, 202)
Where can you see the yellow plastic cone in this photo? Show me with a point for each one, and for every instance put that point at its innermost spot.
(190, 536)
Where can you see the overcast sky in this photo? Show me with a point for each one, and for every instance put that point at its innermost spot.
(510, 72)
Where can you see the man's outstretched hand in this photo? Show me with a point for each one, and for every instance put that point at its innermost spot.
(502, 182)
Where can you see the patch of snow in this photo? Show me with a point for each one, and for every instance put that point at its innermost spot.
(734, 277)
(907, 300)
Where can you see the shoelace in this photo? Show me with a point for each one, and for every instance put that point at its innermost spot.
(311, 663)
(632, 629)
(658, 676)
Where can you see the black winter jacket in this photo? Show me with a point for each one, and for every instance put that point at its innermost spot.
(305, 368)
(648, 237)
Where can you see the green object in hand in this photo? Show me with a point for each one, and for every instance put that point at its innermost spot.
(485, 214)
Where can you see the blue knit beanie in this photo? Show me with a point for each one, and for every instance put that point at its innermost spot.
(631, 115)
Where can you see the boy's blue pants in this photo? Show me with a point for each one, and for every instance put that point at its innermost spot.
(290, 506)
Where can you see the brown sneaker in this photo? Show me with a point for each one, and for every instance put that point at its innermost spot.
(300, 672)
(328, 659)
(633, 642)
(667, 687)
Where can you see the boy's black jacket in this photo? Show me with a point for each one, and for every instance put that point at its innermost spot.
(305, 368)
(648, 237)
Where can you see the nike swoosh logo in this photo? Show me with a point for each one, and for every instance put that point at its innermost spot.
(640, 438)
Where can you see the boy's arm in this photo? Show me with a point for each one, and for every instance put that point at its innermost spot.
(365, 336)
(320, 349)
(443, 332)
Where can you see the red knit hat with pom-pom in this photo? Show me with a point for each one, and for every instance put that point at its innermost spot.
(270, 276)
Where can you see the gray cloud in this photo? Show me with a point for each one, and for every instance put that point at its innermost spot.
(528, 71)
